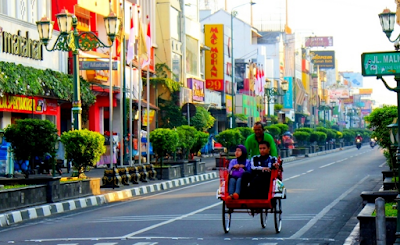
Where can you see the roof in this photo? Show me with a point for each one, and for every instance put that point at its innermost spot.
(269, 37)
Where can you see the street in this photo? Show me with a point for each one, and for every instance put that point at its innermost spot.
(322, 203)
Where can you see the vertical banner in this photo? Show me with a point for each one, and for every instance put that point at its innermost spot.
(288, 97)
(228, 99)
(214, 59)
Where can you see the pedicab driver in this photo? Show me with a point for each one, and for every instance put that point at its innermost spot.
(259, 135)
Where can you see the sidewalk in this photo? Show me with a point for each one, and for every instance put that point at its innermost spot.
(108, 195)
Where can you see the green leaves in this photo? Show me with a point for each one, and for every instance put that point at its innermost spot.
(83, 147)
(229, 138)
(29, 81)
(164, 140)
(202, 120)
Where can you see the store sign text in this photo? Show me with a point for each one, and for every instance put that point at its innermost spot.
(28, 105)
(16, 44)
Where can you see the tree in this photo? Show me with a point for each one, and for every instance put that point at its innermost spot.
(83, 148)
(229, 138)
(164, 140)
(31, 138)
(187, 138)
(171, 115)
(202, 120)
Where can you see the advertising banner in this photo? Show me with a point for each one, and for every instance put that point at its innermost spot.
(349, 100)
(151, 116)
(353, 79)
(288, 97)
(33, 105)
(197, 89)
(214, 59)
(338, 93)
(365, 111)
(323, 59)
(319, 42)
(228, 100)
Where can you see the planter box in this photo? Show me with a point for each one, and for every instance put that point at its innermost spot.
(388, 184)
(71, 190)
(367, 226)
(370, 196)
(387, 174)
(22, 197)
(168, 173)
(199, 168)
(321, 148)
(300, 151)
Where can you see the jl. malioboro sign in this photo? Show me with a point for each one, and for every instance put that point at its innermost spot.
(380, 63)
(16, 44)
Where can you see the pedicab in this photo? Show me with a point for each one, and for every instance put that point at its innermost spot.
(273, 205)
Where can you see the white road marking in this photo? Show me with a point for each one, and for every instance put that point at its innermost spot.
(309, 171)
(382, 165)
(171, 220)
(326, 165)
(324, 211)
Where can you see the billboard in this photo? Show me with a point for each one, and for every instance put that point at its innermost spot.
(323, 59)
(197, 87)
(214, 59)
(319, 42)
(353, 79)
(288, 97)
(338, 93)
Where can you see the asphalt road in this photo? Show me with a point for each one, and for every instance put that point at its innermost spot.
(321, 207)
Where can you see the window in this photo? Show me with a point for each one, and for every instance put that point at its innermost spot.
(176, 66)
(175, 24)
(192, 56)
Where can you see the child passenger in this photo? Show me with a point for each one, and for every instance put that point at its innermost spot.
(261, 171)
(236, 169)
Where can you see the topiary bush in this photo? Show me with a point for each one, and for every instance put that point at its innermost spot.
(163, 140)
(274, 130)
(201, 140)
(32, 138)
(301, 137)
(283, 127)
(187, 138)
(304, 129)
(245, 132)
(229, 138)
(83, 148)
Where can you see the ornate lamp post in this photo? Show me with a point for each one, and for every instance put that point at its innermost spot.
(270, 93)
(72, 40)
(387, 20)
(233, 14)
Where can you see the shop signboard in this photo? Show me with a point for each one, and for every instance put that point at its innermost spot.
(97, 65)
(353, 79)
(213, 98)
(323, 59)
(214, 59)
(338, 93)
(288, 97)
(319, 42)
(197, 87)
(24, 104)
(365, 91)
(151, 116)
(228, 100)
(380, 64)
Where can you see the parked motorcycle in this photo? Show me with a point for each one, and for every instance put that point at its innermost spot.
(358, 143)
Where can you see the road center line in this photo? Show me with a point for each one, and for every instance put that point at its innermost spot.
(324, 211)
(170, 221)
(326, 165)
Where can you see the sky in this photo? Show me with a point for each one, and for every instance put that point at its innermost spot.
(354, 25)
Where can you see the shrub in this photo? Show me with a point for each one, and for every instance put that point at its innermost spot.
(283, 127)
(187, 138)
(32, 138)
(274, 130)
(201, 140)
(229, 138)
(164, 140)
(321, 137)
(308, 130)
(83, 148)
(318, 136)
(301, 136)
(245, 132)
(349, 135)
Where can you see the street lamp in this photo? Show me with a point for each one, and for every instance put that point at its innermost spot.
(72, 40)
(233, 14)
(271, 92)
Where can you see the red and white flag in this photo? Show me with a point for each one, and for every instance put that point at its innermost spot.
(148, 44)
(131, 43)
(262, 82)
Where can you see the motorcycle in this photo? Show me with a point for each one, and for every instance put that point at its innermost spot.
(358, 143)
(372, 143)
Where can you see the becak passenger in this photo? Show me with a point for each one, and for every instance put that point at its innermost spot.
(237, 167)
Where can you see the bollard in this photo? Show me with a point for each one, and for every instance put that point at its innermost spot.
(380, 221)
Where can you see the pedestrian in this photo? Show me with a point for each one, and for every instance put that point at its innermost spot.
(236, 168)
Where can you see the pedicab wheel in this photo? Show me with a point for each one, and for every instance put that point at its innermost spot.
(263, 217)
(226, 218)
(278, 215)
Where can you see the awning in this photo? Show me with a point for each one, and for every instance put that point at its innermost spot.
(144, 104)
(255, 33)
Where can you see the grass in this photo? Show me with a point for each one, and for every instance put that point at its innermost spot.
(6, 187)
(389, 210)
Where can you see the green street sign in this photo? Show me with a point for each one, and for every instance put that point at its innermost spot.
(380, 64)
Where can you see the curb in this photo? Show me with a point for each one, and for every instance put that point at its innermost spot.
(13, 217)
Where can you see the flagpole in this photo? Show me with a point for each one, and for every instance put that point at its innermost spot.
(148, 104)
(122, 91)
(139, 144)
(130, 112)
(111, 111)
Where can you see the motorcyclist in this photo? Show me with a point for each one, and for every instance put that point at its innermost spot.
(358, 137)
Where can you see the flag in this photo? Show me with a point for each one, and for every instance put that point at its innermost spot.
(262, 82)
(142, 43)
(121, 31)
(256, 89)
(148, 43)
(131, 43)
